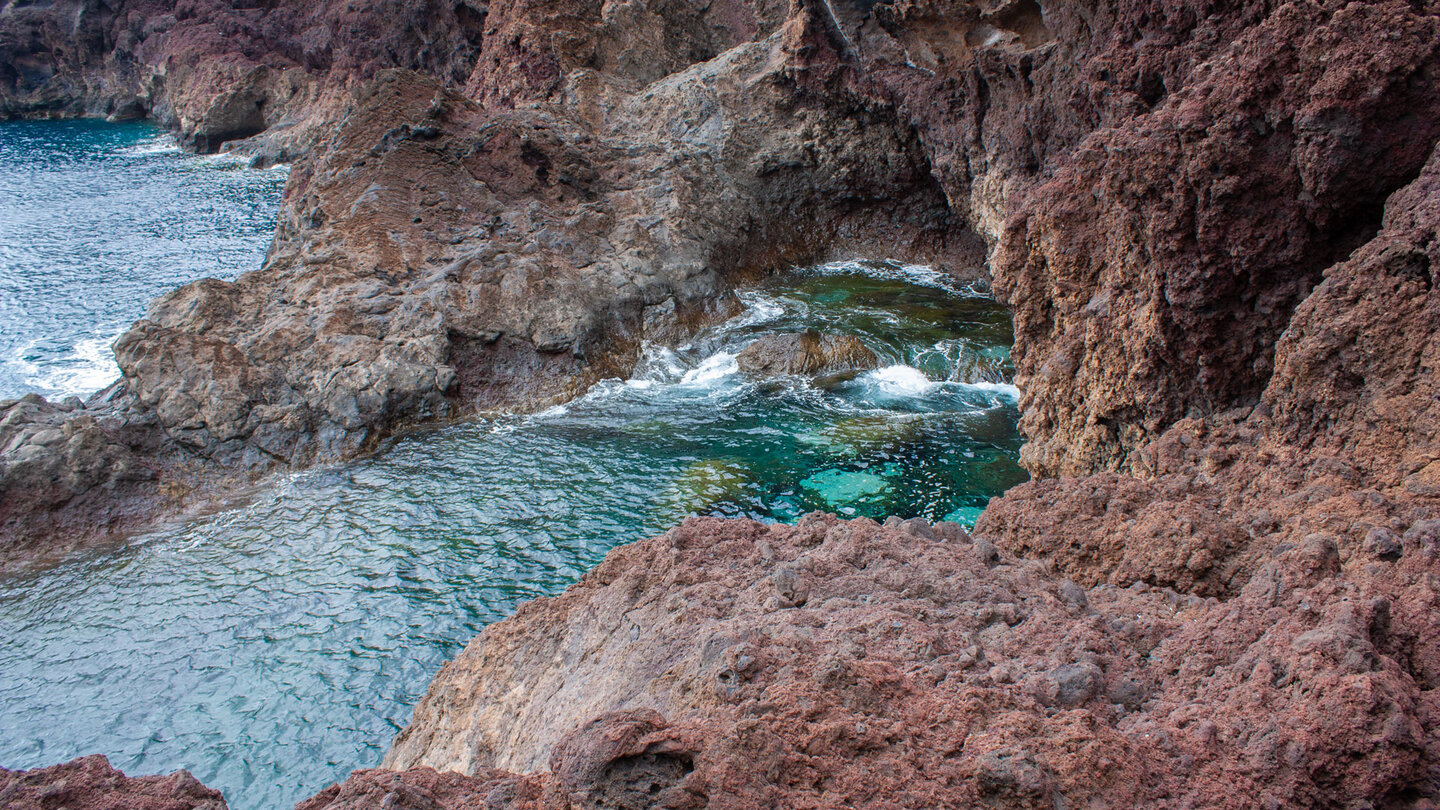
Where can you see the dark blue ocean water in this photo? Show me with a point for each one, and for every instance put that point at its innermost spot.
(273, 647)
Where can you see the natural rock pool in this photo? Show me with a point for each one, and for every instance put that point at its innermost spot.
(273, 647)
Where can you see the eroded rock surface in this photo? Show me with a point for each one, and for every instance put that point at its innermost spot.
(1345, 442)
(221, 71)
(847, 664)
(89, 783)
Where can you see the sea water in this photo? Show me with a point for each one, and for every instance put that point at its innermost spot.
(96, 220)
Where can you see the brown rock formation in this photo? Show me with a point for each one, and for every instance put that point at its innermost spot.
(1152, 275)
(1343, 442)
(89, 783)
(806, 353)
(840, 664)
(220, 71)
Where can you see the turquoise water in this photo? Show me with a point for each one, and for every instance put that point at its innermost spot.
(273, 647)
(98, 219)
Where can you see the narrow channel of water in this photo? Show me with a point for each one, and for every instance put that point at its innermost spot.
(272, 648)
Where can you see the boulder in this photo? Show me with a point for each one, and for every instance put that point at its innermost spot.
(806, 353)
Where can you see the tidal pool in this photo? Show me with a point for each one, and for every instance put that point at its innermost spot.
(273, 647)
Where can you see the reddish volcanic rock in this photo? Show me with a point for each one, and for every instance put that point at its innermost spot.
(426, 788)
(1152, 275)
(89, 783)
(846, 664)
(1345, 442)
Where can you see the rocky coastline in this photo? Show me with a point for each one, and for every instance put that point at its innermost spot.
(1216, 227)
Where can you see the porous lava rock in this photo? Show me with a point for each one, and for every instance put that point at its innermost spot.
(848, 664)
(1152, 274)
(89, 783)
(426, 788)
(807, 353)
(1344, 443)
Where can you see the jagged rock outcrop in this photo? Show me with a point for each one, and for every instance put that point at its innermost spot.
(70, 475)
(89, 783)
(1152, 275)
(1343, 442)
(479, 259)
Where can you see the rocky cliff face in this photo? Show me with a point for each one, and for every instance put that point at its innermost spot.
(1216, 225)
(220, 71)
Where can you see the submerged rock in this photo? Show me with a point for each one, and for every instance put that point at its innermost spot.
(840, 487)
(806, 353)
(859, 435)
(705, 484)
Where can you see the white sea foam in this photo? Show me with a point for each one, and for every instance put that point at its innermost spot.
(1003, 389)
(901, 381)
(657, 363)
(921, 274)
(759, 308)
(714, 368)
(85, 369)
(160, 145)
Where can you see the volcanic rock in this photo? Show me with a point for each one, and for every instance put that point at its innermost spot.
(1216, 226)
(913, 674)
(89, 783)
(221, 71)
(807, 353)
(1344, 442)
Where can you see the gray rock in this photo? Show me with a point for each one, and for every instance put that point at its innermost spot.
(1384, 544)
